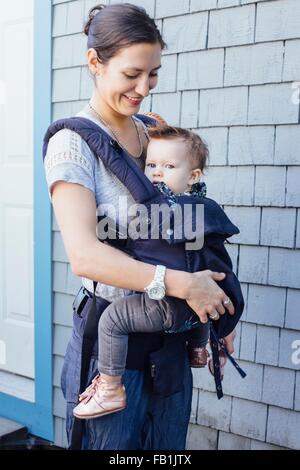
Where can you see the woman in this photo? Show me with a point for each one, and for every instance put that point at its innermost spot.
(124, 55)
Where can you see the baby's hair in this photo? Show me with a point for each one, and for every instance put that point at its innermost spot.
(197, 149)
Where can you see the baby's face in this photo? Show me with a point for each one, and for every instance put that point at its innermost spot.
(167, 162)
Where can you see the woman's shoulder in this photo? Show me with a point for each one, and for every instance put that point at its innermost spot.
(61, 140)
(67, 145)
(67, 140)
(68, 158)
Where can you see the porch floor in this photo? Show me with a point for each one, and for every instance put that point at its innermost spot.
(10, 431)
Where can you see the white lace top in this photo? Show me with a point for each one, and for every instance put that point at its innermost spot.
(70, 159)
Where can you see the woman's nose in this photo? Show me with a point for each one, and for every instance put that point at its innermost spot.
(143, 88)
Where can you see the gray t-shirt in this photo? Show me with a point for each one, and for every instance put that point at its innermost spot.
(70, 159)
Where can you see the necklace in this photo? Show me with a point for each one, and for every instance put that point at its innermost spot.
(114, 134)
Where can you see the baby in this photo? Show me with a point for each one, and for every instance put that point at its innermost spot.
(175, 162)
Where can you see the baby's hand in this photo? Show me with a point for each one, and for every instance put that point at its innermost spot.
(229, 341)
(157, 117)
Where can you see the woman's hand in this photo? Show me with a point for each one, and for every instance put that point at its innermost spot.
(205, 297)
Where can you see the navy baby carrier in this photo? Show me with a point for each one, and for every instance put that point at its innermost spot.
(213, 255)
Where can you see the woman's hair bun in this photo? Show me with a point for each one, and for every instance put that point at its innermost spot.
(92, 13)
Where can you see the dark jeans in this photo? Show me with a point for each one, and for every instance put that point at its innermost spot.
(149, 422)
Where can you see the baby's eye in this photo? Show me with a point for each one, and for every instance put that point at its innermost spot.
(169, 166)
(151, 165)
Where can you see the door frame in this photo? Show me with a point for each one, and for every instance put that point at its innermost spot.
(38, 416)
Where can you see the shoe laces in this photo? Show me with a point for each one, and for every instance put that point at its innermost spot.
(97, 385)
(91, 389)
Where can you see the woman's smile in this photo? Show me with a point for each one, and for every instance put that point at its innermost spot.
(132, 101)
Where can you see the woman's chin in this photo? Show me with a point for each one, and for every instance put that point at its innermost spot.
(129, 111)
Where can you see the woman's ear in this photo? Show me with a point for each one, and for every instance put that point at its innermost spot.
(93, 61)
(195, 176)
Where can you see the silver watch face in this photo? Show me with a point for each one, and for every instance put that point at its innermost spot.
(156, 292)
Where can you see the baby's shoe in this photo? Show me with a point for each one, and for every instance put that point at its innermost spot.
(99, 399)
(198, 356)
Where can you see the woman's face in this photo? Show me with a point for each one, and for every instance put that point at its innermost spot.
(132, 73)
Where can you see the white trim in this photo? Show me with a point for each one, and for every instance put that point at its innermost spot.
(17, 386)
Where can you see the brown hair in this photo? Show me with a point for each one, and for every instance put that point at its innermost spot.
(112, 27)
(198, 152)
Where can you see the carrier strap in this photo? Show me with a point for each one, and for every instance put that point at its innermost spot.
(89, 337)
(109, 151)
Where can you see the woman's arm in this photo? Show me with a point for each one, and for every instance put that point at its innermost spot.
(75, 211)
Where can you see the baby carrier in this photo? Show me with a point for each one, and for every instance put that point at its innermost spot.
(213, 255)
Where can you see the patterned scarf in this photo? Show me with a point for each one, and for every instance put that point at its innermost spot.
(197, 190)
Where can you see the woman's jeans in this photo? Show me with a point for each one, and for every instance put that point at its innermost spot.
(149, 422)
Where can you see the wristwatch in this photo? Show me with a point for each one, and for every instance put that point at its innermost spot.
(156, 290)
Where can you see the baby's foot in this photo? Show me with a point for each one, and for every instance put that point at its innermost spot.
(198, 357)
(99, 399)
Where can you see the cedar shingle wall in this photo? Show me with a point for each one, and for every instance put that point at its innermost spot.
(227, 74)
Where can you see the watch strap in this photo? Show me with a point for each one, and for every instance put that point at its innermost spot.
(160, 274)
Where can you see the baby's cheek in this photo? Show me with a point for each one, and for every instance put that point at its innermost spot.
(148, 174)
